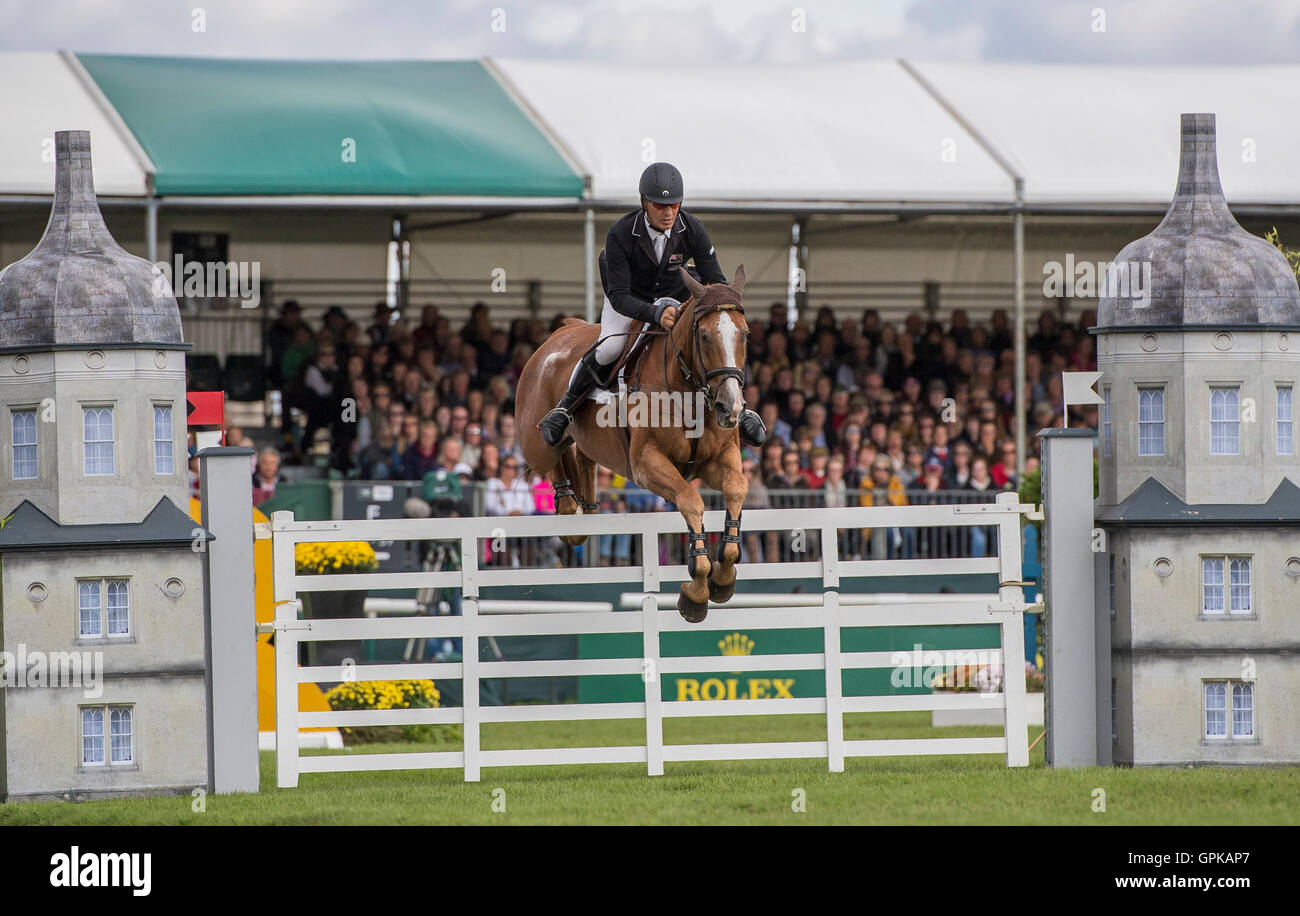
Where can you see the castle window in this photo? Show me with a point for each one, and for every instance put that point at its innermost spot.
(97, 438)
(1105, 422)
(120, 736)
(24, 439)
(1243, 710)
(1217, 722)
(1151, 421)
(1225, 421)
(92, 736)
(1285, 419)
(163, 462)
(121, 739)
(103, 606)
(1235, 598)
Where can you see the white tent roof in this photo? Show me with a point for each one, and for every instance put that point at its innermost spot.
(848, 131)
(853, 133)
(39, 94)
(1110, 134)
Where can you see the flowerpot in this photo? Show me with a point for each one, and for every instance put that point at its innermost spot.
(333, 606)
(993, 715)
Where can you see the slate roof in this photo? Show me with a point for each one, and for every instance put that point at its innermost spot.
(1153, 504)
(165, 526)
(78, 287)
(1205, 269)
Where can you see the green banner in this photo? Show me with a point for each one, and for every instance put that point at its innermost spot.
(774, 684)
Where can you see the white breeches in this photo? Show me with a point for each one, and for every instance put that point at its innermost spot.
(611, 322)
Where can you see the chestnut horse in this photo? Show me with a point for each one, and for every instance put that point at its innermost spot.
(701, 359)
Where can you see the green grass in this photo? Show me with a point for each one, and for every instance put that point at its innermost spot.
(906, 790)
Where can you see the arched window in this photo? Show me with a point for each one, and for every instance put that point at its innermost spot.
(1151, 421)
(1225, 421)
(97, 440)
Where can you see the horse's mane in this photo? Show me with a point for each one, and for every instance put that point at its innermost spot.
(571, 322)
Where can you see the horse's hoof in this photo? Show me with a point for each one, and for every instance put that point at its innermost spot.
(691, 611)
(574, 540)
(721, 594)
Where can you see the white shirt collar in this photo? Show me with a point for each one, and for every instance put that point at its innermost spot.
(655, 233)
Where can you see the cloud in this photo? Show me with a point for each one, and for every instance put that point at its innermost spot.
(659, 33)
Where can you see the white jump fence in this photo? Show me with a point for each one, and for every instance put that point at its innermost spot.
(829, 612)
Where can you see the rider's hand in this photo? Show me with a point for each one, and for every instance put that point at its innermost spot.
(669, 314)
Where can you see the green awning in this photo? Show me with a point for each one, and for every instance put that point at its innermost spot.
(258, 127)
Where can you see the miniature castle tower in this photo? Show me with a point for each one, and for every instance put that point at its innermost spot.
(1198, 493)
(100, 561)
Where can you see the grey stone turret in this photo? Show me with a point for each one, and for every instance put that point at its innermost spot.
(78, 288)
(1206, 270)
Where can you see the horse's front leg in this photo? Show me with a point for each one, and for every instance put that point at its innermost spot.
(728, 477)
(652, 469)
(567, 500)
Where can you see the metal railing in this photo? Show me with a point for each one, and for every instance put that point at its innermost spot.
(385, 499)
(236, 330)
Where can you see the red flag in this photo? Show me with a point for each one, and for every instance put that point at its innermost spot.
(207, 408)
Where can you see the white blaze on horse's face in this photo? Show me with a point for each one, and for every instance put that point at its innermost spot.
(729, 393)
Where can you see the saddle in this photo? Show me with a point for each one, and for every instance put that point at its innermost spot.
(628, 364)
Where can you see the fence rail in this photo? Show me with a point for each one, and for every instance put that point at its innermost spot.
(830, 616)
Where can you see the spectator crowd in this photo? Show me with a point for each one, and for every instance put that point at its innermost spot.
(859, 411)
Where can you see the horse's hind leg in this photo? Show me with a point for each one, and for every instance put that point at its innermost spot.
(564, 477)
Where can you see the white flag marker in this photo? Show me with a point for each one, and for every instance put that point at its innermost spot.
(1076, 388)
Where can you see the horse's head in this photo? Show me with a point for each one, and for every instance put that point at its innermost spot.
(720, 336)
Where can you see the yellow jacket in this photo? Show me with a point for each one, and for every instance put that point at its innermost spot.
(894, 495)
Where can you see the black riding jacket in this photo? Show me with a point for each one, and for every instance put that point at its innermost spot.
(631, 277)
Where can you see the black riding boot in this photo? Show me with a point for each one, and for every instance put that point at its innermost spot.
(752, 429)
(555, 423)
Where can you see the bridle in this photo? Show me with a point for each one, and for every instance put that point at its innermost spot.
(694, 379)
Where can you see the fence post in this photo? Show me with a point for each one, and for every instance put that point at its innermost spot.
(286, 650)
(1013, 635)
(1069, 649)
(650, 674)
(469, 654)
(830, 614)
(226, 498)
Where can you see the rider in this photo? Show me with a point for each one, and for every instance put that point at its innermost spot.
(643, 253)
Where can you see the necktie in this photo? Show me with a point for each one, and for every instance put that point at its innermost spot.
(660, 241)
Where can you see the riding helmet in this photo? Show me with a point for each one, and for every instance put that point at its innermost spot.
(662, 183)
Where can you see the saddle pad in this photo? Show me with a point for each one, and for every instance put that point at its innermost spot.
(604, 395)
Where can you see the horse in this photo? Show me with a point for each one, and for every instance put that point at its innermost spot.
(701, 358)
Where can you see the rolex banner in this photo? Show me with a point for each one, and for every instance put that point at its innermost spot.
(910, 675)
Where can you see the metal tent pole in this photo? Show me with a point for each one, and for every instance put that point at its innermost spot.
(589, 268)
(1020, 325)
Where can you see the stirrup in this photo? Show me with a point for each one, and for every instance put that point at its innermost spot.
(546, 422)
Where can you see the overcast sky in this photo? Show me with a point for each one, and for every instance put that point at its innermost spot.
(660, 31)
